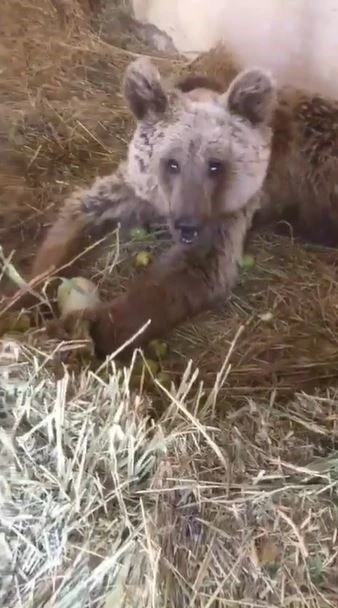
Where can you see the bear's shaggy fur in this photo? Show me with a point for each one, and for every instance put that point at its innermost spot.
(197, 159)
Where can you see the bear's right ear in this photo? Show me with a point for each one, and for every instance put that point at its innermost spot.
(142, 89)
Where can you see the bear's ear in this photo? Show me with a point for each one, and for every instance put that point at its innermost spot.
(252, 95)
(142, 89)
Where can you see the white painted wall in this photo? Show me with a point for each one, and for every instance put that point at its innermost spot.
(296, 39)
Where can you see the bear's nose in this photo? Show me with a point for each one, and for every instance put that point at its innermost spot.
(189, 228)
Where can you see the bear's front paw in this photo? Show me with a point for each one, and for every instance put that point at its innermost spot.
(111, 326)
(95, 326)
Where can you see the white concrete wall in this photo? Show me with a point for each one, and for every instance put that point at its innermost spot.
(296, 39)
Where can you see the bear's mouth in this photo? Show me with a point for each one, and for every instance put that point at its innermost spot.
(189, 235)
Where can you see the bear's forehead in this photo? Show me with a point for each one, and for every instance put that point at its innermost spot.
(204, 115)
(196, 128)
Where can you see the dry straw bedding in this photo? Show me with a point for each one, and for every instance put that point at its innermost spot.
(219, 490)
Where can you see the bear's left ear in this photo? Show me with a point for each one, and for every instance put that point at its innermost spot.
(142, 89)
(252, 95)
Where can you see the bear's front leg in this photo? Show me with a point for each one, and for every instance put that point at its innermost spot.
(93, 211)
(86, 213)
(181, 284)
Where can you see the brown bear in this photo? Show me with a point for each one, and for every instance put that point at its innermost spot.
(206, 155)
(197, 159)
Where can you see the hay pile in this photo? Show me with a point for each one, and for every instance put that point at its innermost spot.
(218, 490)
(103, 506)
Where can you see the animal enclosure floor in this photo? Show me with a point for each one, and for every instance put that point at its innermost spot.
(116, 495)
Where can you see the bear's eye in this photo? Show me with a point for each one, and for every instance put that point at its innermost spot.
(215, 167)
(173, 166)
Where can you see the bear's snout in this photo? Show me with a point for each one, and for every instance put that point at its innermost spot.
(189, 229)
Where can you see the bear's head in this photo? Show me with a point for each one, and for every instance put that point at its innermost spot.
(198, 153)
